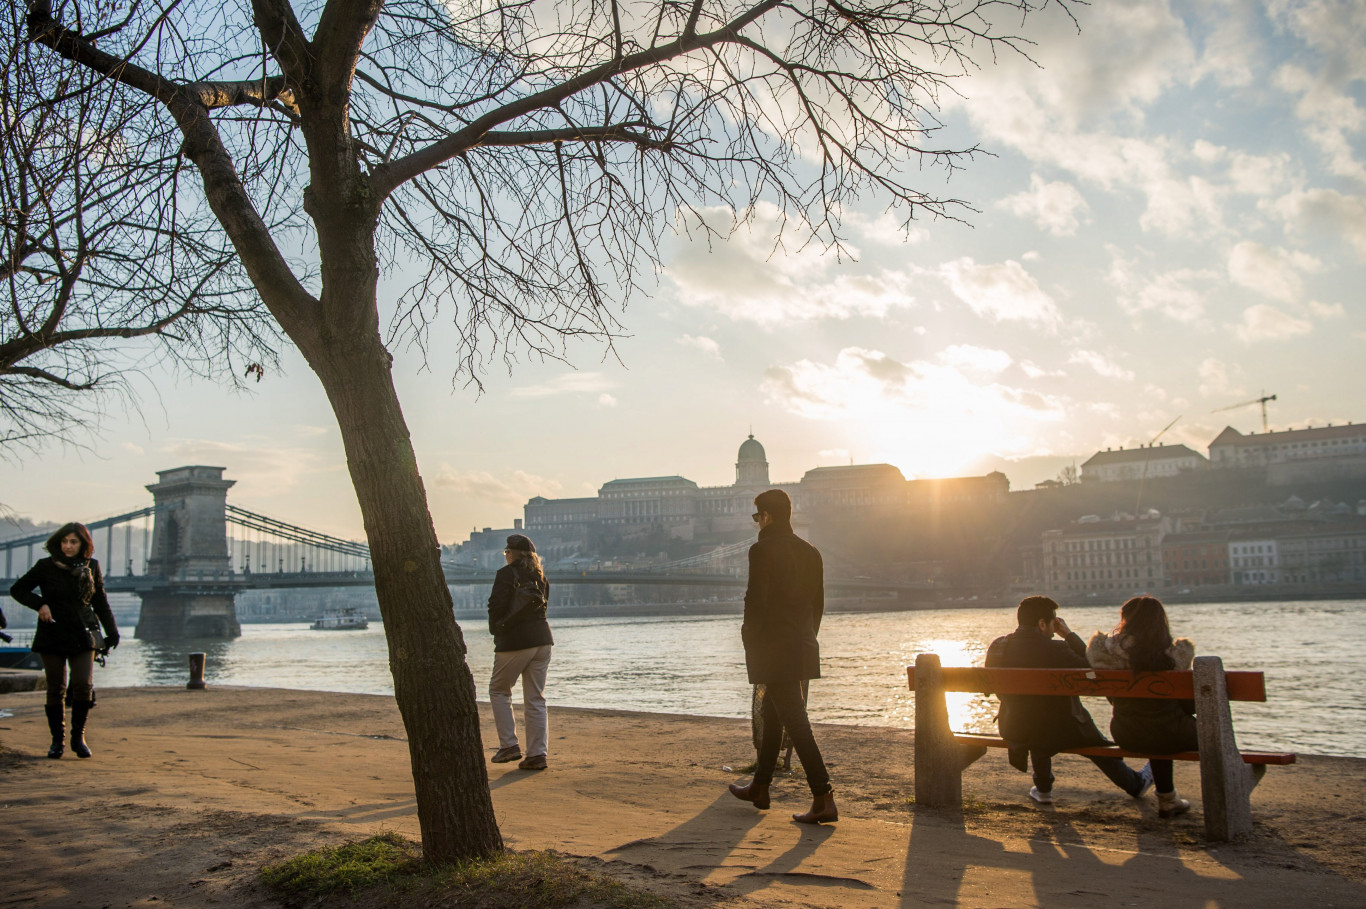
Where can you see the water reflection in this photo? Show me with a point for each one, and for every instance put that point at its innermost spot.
(168, 662)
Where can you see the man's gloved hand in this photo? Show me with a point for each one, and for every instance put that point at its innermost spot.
(111, 640)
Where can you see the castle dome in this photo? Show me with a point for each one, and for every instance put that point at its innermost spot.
(751, 450)
(751, 465)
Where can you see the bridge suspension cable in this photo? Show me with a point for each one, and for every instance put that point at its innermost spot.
(271, 541)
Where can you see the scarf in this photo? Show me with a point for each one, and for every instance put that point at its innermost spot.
(85, 581)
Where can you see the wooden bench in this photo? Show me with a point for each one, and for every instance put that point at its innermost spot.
(1227, 776)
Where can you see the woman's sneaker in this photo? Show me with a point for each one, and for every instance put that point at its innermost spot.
(1169, 804)
(507, 755)
(1043, 798)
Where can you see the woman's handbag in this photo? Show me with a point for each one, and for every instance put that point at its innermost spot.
(527, 600)
(95, 639)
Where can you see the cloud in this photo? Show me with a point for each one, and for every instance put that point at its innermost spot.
(566, 384)
(606, 400)
(976, 359)
(1274, 273)
(510, 489)
(1216, 378)
(770, 272)
(928, 416)
(1175, 294)
(262, 468)
(708, 347)
(1326, 310)
(1327, 211)
(1330, 115)
(1054, 207)
(1264, 322)
(1003, 293)
(1102, 365)
(132, 448)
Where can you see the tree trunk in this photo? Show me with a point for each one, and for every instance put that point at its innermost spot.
(432, 682)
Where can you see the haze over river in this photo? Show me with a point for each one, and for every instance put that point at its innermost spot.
(1311, 651)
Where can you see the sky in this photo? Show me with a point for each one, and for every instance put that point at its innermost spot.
(1172, 220)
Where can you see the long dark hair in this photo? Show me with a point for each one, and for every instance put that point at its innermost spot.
(54, 542)
(1143, 621)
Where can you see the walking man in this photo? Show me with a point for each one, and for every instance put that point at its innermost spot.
(784, 603)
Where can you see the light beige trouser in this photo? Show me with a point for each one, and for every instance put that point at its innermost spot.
(531, 665)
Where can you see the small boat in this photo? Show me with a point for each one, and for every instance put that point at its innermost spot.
(343, 620)
(14, 654)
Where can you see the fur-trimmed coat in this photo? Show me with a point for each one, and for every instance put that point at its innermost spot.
(1147, 725)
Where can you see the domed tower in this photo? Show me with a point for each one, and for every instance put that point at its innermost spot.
(751, 465)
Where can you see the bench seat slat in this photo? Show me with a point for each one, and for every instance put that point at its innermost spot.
(1115, 683)
(1249, 757)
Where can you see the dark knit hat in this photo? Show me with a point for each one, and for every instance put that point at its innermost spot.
(521, 543)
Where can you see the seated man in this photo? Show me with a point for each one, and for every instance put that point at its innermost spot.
(1043, 725)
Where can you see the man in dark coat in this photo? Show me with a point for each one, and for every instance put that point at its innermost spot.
(1043, 725)
(784, 603)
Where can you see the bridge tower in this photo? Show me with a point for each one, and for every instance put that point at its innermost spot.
(189, 556)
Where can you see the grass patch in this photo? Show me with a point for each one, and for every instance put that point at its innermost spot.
(381, 859)
(387, 869)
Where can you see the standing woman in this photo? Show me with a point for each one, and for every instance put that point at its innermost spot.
(521, 648)
(71, 607)
(1142, 641)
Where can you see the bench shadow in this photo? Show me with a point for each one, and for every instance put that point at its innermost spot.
(1062, 869)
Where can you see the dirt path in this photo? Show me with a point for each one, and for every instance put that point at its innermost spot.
(189, 792)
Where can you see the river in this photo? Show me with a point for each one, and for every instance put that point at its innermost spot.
(1311, 652)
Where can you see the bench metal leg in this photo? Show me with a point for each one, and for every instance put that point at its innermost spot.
(939, 760)
(1226, 782)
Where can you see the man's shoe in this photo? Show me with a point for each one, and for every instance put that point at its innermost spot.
(823, 810)
(507, 755)
(1145, 781)
(1043, 798)
(535, 762)
(755, 794)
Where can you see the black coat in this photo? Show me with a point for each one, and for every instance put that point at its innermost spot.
(1042, 722)
(48, 583)
(784, 603)
(526, 631)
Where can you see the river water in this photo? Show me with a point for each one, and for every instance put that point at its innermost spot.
(1310, 651)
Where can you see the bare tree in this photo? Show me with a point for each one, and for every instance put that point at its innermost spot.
(522, 160)
(99, 277)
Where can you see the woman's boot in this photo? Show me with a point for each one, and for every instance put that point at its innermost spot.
(56, 724)
(1169, 804)
(79, 711)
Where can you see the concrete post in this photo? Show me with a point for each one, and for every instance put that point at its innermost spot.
(1225, 781)
(196, 682)
(938, 763)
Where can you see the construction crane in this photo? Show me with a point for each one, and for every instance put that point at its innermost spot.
(1262, 401)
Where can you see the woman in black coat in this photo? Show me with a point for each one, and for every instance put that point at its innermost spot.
(66, 589)
(1143, 641)
(521, 649)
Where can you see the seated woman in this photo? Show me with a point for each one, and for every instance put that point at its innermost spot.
(1143, 641)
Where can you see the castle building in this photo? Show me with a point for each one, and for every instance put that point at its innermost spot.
(1313, 454)
(637, 507)
(1144, 462)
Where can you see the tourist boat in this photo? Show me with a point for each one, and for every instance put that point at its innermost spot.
(343, 620)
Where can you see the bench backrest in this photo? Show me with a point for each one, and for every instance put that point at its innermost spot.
(1114, 683)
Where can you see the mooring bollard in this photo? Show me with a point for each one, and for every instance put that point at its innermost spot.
(196, 671)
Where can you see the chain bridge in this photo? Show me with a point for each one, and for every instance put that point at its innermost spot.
(189, 553)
